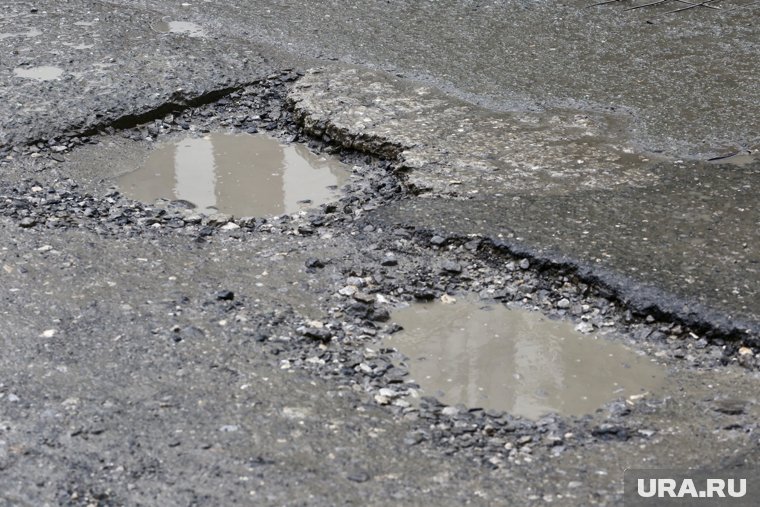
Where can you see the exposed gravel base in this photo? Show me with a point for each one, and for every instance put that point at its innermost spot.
(346, 271)
(662, 233)
(153, 356)
(52, 201)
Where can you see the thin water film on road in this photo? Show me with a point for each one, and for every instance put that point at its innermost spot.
(179, 27)
(42, 73)
(241, 174)
(516, 360)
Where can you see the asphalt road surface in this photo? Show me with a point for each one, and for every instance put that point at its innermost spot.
(596, 164)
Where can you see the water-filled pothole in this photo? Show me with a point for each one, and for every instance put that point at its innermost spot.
(516, 360)
(240, 174)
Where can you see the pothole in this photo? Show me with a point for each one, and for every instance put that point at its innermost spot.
(239, 174)
(179, 27)
(516, 360)
(43, 73)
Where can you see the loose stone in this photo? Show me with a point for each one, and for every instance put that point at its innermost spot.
(230, 226)
(313, 262)
(452, 267)
(27, 222)
(219, 219)
(225, 295)
(450, 411)
(389, 260)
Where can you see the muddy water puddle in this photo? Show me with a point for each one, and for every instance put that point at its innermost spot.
(240, 174)
(516, 360)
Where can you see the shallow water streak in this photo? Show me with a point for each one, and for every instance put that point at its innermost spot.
(516, 360)
(179, 27)
(241, 174)
(43, 73)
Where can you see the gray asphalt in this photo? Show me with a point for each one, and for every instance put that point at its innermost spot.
(572, 136)
(115, 66)
(669, 236)
(108, 408)
(681, 247)
(686, 82)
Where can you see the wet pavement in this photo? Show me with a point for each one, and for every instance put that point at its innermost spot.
(687, 82)
(181, 27)
(196, 416)
(685, 246)
(667, 235)
(44, 73)
(157, 356)
(94, 91)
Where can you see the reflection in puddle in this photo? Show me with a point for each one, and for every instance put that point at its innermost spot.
(44, 73)
(516, 360)
(181, 27)
(241, 174)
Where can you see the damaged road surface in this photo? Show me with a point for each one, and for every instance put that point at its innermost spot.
(190, 349)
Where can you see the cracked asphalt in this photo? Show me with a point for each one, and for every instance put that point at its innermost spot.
(551, 152)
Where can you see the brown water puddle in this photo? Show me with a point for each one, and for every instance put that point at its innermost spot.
(516, 360)
(240, 174)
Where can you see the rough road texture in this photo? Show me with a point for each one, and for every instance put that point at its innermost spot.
(451, 147)
(669, 235)
(687, 81)
(154, 357)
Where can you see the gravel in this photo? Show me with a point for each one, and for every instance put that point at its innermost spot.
(365, 267)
